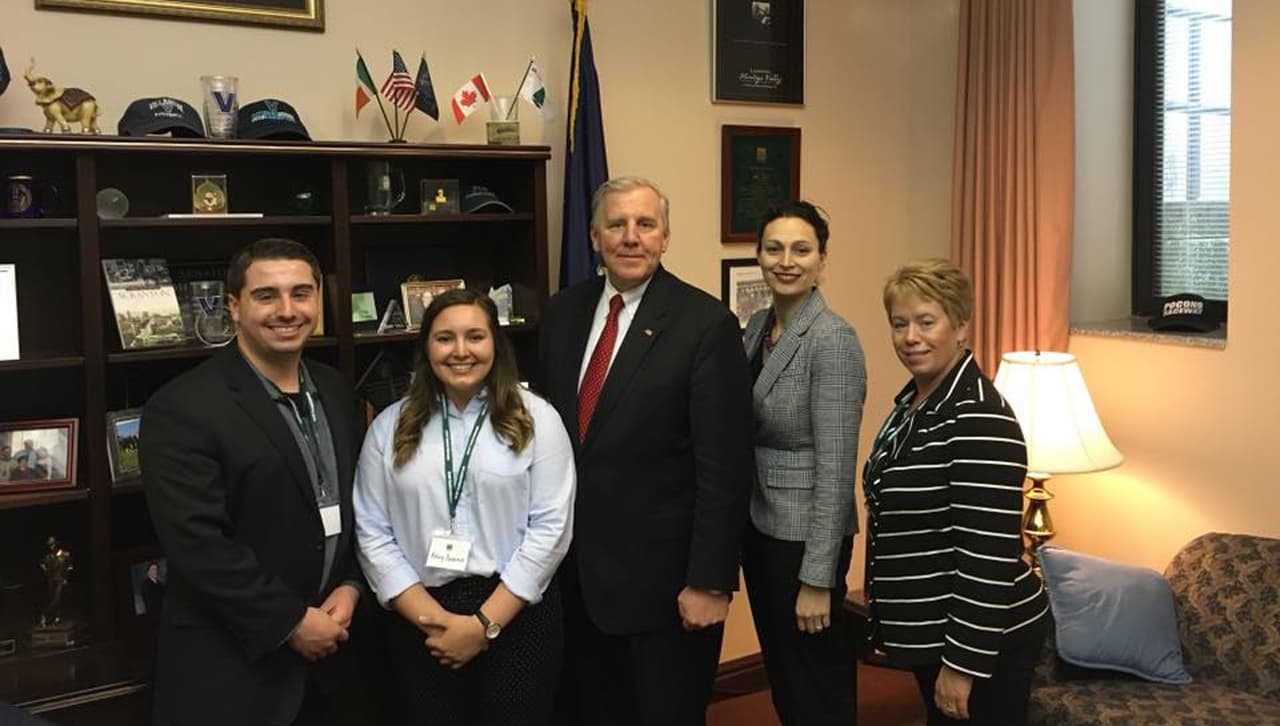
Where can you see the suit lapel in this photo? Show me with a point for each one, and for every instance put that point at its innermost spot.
(249, 394)
(789, 344)
(645, 328)
(754, 332)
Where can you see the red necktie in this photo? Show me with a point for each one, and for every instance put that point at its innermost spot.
(597, 368)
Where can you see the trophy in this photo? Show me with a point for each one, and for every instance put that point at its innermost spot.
(55, 627)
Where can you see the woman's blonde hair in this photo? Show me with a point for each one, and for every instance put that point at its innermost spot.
(507, 413)
(936, 280)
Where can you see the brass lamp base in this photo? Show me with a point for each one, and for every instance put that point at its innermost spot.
(1037, 525)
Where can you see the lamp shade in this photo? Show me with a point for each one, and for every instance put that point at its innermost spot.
(1061, 427)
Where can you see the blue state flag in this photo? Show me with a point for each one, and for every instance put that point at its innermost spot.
(4, 73)
(585, 166)
(426, 99)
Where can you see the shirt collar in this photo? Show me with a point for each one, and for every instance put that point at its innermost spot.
(944, 389)
(304, 380)
(631, 298)
(472, 407)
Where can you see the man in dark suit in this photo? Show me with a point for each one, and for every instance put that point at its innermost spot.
(648, 375)
(248, 461)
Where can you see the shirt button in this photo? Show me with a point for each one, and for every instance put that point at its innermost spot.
(319, 546)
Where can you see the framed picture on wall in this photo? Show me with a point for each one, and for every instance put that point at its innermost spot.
(759, 167)
(758, 51)
(291, 14)
(38, 455)
(743, 289)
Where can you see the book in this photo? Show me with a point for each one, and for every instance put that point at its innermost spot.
(144, 302)
(9, 312)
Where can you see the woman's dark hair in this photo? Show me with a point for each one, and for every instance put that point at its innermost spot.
(800, 209)
(510, 419)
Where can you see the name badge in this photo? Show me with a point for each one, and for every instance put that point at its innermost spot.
(448, 552)
(331, 518)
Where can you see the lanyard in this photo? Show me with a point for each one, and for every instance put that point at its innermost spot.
(309, 426)
(453, 485)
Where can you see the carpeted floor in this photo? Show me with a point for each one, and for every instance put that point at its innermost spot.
(886, 697)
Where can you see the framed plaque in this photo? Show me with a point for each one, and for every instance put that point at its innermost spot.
(758, 51)
(759, 167)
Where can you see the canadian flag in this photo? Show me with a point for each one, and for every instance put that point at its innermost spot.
(467, 99)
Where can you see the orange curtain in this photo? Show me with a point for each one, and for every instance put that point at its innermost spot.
(1012, 194)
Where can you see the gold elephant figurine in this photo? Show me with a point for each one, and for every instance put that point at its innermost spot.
(63, 106)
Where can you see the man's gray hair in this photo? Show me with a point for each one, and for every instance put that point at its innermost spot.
(627, 184)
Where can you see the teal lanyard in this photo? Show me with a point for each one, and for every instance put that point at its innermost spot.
(309, 426)
(453, 485)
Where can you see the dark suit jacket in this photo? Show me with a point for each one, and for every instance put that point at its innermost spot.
(665, 472)
(236, 516)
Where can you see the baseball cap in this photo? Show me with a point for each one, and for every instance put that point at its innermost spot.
(480, 199)
(1184, 311)
(160, 115)
(270, 118)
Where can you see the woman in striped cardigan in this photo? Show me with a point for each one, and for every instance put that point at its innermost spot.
(950, 594)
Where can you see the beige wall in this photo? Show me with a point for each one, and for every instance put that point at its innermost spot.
(1196, 425)
(877, 125)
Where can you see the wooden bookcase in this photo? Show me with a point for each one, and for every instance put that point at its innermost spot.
(72, 364)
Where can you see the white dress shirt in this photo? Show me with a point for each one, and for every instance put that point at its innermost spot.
(630, 303)
(515, 509)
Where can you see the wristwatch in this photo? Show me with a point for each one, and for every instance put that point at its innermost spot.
(491, 629)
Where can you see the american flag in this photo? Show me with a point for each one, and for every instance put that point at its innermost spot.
(399, 88)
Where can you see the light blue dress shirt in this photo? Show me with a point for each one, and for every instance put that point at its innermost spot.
(516, 509)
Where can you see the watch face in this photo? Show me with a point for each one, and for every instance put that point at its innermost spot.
(492, 630)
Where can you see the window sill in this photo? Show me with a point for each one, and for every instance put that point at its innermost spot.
(1136, 328)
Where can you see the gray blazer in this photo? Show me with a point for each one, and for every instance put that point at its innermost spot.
(808, 407)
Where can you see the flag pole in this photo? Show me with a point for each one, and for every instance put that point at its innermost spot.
(516, 98)
(407, 113)
(377, 97)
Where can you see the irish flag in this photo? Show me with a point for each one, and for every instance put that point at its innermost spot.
(467, 99)
(364, 84)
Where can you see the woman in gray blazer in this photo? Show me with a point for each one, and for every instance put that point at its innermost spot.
(810, 382)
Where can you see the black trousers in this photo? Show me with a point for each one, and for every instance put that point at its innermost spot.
(1000, 700)
(810, 676)
(510, 684)
(660, 678)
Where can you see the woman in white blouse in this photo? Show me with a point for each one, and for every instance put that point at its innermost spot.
(464, 509)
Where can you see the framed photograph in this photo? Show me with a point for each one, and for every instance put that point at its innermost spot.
(759, 167)
(743, 289)
(122, 444)
(291, 14)
(140, 576)
(418, 294)
(439, 196)
(758, 51)
(38, 455)
(364, 307)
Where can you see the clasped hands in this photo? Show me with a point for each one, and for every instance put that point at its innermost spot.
(321, 629)
(452, 639)
(701, 608)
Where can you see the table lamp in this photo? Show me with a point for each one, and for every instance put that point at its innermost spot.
(1061, 428)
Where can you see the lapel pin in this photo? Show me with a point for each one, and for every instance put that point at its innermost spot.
(648, 331)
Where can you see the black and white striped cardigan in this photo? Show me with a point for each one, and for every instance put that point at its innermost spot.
(945, 578)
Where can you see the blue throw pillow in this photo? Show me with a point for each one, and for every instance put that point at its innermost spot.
(1113, 616)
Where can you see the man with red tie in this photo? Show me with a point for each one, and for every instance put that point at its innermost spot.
(648, 375)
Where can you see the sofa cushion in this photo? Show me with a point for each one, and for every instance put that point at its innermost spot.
(1113, 616)
(1138, 703)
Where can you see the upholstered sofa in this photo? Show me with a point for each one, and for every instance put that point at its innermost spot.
(1226, 590)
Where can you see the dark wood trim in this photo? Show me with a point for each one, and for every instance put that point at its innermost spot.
(1148, 27)
(39, 223)
(35, 499)
(740, 677)
(383, 219)
(152, 144)
(40, 364)
(341, 248)
(193, 351)
(214, 221)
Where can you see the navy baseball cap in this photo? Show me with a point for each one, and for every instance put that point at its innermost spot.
(270, 118)
(161, 115)
(1185, 311)
(480, 199)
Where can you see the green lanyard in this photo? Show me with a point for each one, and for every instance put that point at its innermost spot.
(309, 426)
(453, 485)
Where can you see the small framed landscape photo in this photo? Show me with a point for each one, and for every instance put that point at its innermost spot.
(743, 289)
(418, 294)
(122, 444)
(38, 455)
